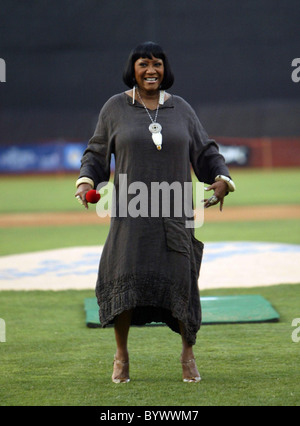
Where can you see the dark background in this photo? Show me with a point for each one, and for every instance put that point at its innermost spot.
(231, 60)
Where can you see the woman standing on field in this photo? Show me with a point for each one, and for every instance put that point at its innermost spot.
(149, 267)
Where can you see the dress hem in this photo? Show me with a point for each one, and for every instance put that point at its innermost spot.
(169, 304)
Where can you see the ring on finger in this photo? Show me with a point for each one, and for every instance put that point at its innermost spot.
(213, 199)
(79, 199)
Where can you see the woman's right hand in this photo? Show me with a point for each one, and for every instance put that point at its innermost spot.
(80, 193)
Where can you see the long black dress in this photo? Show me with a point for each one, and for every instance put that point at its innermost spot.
(150, 264)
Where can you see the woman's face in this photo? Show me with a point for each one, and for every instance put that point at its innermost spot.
(149, 73)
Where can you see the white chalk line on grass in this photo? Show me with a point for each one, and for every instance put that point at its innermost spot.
(225, 264)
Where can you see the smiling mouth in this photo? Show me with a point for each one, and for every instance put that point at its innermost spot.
(151, 79)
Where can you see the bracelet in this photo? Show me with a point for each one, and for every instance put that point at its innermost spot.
(84, 180)
(230, 183)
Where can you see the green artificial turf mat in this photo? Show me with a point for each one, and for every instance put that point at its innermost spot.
(215, 310)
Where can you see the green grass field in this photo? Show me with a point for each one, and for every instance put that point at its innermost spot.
(51, 358)
(56, 193)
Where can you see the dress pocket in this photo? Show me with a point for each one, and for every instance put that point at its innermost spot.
(177, 236)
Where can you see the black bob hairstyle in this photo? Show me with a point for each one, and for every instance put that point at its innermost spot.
(147, 50)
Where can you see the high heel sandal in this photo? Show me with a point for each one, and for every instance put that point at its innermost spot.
(121, 371)
(190, 372)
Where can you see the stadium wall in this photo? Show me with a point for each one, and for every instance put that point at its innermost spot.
(232, 62)
(57, 156)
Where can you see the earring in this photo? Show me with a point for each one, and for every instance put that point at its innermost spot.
(133, 94)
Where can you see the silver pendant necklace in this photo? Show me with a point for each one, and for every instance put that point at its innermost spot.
(155, 128)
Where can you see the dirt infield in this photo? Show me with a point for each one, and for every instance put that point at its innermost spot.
(229, 214)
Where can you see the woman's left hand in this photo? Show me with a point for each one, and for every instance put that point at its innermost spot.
(220, 189)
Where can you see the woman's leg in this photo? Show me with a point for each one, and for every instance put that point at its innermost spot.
(122, 325)
(121, 361)
(190, 372)
(187, 350)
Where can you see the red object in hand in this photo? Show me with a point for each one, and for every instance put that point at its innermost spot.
(92, 196)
